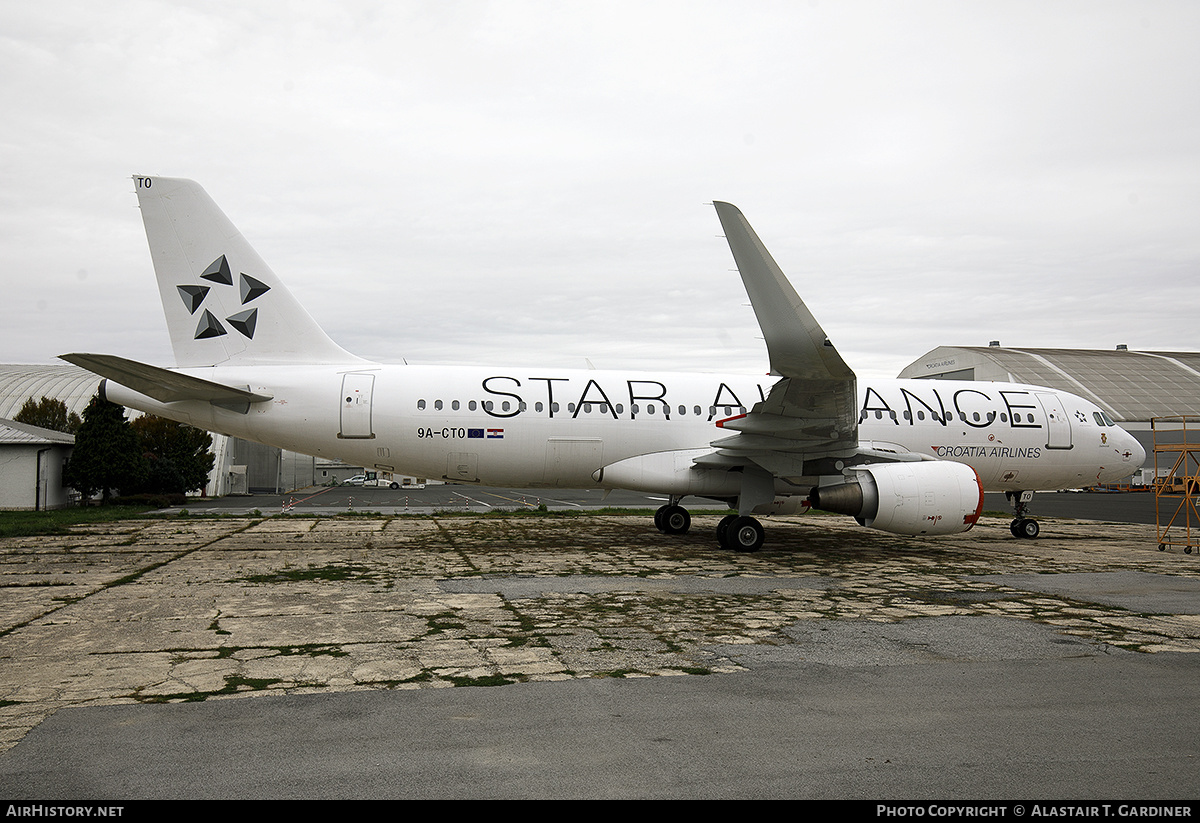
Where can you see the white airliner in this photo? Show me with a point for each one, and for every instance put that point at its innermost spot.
(905, 456)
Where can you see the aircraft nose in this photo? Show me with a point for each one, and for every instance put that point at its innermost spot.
(1138, 456)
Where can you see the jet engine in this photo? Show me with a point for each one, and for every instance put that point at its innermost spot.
(927, 497)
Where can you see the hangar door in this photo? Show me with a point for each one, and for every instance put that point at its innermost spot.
(357, 388)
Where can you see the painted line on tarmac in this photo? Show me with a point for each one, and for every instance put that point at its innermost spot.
(564, 502)
(473, 500)
(524, 501)
(311, 496)
(511, 499)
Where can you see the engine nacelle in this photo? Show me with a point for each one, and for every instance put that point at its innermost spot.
(926, 497)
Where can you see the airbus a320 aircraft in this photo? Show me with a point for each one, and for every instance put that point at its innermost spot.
(909, 457)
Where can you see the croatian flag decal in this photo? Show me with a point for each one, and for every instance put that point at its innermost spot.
(495, 434)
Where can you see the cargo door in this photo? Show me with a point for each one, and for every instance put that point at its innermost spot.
(571, 461)
(462, 466)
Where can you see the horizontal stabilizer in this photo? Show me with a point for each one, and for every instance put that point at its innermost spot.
(163, 385)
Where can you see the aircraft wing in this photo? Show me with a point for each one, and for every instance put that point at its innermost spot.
(813, 410)
(163, 385)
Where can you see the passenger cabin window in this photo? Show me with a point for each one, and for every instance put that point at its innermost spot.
(421, 405)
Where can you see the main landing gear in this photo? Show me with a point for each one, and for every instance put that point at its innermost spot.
(1022, 526)
(673, 518)
(740, 533)
(735, 532)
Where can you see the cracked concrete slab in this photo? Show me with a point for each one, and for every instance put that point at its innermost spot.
(517, 587)
(1136, 591)
(189, 609)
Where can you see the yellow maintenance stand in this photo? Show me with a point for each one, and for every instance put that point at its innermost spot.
(1177, 490)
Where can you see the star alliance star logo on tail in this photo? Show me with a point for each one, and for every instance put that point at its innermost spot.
(249, 289)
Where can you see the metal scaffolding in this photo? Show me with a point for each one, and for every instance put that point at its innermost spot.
(1176, 491)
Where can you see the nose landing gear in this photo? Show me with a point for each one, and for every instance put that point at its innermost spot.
(1022, 526)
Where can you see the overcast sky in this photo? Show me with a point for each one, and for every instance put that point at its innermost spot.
(527, 182)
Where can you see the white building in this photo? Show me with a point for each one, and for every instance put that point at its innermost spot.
(31, 466)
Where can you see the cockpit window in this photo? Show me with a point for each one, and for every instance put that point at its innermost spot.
(1108, 419)
(1099, 419)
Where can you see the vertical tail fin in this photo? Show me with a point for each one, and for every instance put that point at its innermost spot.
(224, 305)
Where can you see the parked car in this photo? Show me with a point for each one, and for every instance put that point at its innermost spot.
(370, 479)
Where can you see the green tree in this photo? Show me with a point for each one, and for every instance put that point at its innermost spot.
(178, 457)
(107, 454)
(48, 413)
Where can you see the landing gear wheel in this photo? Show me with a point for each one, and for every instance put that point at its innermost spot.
(1022, 526)
(723, 539)
(1025, 527)
(676, 520)
(746, 534)
(672, 520)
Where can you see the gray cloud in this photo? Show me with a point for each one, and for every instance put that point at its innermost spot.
(525, 182)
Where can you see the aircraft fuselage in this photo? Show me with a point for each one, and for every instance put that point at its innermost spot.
(534, 427)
